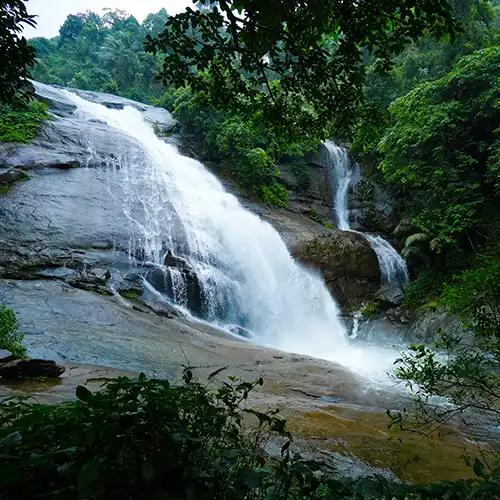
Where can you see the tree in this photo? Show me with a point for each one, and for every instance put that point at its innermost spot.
(71, 28)
(301, 62)
(119, 55)
(443, 146)
(154, 24)
(16, 56)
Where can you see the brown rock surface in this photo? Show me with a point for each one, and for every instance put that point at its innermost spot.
(347, 262)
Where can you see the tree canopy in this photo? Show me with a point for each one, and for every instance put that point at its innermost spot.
(286, 57)
(16, 56)
(103, 53)
(444, 145)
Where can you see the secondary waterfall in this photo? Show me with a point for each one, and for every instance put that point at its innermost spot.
(393, 269)
(180, 215)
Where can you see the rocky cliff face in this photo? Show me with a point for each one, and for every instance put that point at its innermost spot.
(65, 224)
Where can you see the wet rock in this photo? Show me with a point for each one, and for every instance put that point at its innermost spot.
(348, 264)
(58, 105)
(102, 245)
(172, 260)
(240, 331)
(193, 286)
(310, 189)
(131, 283)
(6, 356)
(389, 295)
(9, 176)
(160, 117)
(29, 368)
(425, 325)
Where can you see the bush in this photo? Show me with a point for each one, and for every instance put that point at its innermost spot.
(22, 125)
(275, 195)
(10, 337)
(245, 150)
(474, 296)
(148, 439)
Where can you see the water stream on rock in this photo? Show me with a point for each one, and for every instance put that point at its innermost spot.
(393, 269)
(203, 243)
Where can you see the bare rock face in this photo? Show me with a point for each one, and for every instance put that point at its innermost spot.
(348, 264)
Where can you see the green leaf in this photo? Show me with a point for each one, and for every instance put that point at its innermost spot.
(89, 477)
(83, 394)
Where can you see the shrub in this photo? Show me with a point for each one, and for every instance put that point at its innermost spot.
(474, 296)
(139, 438)
(10, 337)
(147, 439)
(22, 125)
(275, 195)
(244, 149)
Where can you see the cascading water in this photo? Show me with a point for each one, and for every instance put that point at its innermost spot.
(338, 160)
(184, 222)
(393, 269)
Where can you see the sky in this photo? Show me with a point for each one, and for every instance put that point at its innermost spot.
(52, 13)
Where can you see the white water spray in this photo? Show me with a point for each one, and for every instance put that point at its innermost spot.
(177, 208)
(393, 268)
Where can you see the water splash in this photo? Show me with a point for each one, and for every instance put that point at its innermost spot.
(393, 269)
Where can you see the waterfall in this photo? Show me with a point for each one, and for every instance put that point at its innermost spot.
(339, 163)
(181, 219)
(393, 269)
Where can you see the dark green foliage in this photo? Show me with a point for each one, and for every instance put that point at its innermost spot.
(474, 296)
(244, 149)
(440, 146)
(425, 60)
(16, 56)
(464, 368)
(299, 63)
(10, 337)
(22, 124)
(148, 439)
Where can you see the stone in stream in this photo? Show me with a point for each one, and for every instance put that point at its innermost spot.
(161, 280)
(29, 368)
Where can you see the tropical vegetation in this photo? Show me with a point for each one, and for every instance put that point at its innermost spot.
(413, 86)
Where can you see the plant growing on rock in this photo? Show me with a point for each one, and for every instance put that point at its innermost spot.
(10, 337)
(22, 125)
(463, 368)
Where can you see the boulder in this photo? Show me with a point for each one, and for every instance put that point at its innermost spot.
(161, 279)
(390, 295)
(348, 264)
(29, 368)
(240, 331)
